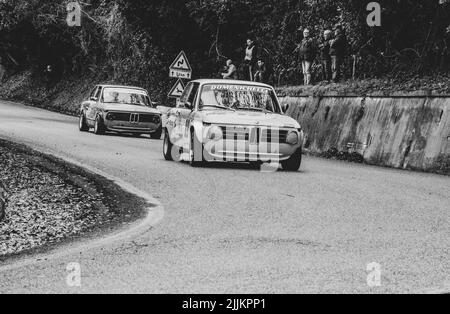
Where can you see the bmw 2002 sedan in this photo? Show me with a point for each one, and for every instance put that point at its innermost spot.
(120, 109)
(232, 121)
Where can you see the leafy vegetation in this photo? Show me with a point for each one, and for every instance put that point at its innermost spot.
(134, 41)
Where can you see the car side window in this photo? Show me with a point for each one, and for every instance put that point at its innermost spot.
(193, 93)
(98, 93)
(185, 96)
(149, 102)
(94, 91)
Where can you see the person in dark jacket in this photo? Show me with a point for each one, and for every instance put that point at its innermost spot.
(307, 49)
(49, 76)
(250, 59)
(337, 51)
(261, 72)
(325, 57)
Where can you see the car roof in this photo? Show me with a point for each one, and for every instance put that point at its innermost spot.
(120, 86)
(224, 81)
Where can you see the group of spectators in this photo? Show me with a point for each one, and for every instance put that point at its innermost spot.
(330, 49)
(253, 66)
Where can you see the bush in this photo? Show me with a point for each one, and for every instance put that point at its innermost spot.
(134, 41)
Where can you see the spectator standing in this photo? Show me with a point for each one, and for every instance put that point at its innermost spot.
(251, 56)
(49, 75)
(337, 51)
(307, 50)
(230, 71)
(325, 57)
(261, 72)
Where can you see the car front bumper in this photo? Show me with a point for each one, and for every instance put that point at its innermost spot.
(236, 151)
(139, 128)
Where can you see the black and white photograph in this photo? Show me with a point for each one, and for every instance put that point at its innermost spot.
(225, 155)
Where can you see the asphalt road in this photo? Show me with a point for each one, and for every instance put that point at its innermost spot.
(238, 230)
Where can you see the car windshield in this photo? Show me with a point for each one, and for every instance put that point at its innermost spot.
(126, 96)
(239, 97)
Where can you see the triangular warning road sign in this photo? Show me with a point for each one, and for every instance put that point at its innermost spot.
(177, 90)
(181, 63)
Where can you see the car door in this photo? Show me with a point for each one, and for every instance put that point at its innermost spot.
(90, 110)
(187, 105)
(96, 102)
(171, 124)
(181, 108)
(86, 105)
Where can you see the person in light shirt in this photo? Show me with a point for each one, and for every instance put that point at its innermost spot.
(230, 71)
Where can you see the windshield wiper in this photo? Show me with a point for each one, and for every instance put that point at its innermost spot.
(221, 107)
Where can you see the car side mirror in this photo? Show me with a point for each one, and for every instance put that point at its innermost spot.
(285, 107)
(94, 98)
(155, 104)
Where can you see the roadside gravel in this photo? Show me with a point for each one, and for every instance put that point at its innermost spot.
(49, 201)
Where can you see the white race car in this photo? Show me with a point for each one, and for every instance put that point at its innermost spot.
(232, 121)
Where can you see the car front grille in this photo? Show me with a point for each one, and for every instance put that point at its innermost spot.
(255, 134)
(127, 117)
(149, 118)
(120, 116)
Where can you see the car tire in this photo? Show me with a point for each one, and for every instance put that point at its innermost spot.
(99, 127)
(256, 165)
(167, 147)
(157, 134)
(293, 163)
(194, 142)
(82, 125)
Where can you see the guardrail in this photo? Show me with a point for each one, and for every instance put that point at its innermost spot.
(3, 201)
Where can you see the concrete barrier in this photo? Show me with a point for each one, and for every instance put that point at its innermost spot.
(407, 132)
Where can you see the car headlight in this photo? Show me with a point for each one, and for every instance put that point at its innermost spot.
(156, 119)
(110, 116)
(215, 133)
(292, 138)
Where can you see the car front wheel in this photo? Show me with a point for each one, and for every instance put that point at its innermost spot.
(82, 123)
(157, 134)
(167, 147)
(99, 127)
(196, 158)
(293, 163)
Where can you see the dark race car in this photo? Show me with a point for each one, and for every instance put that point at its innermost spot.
(120, 109)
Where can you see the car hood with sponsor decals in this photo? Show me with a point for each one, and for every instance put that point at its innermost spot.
(117, 107)
(245, 117)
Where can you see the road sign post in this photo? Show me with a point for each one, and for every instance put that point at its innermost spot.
(177, 90)
(179, 69)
